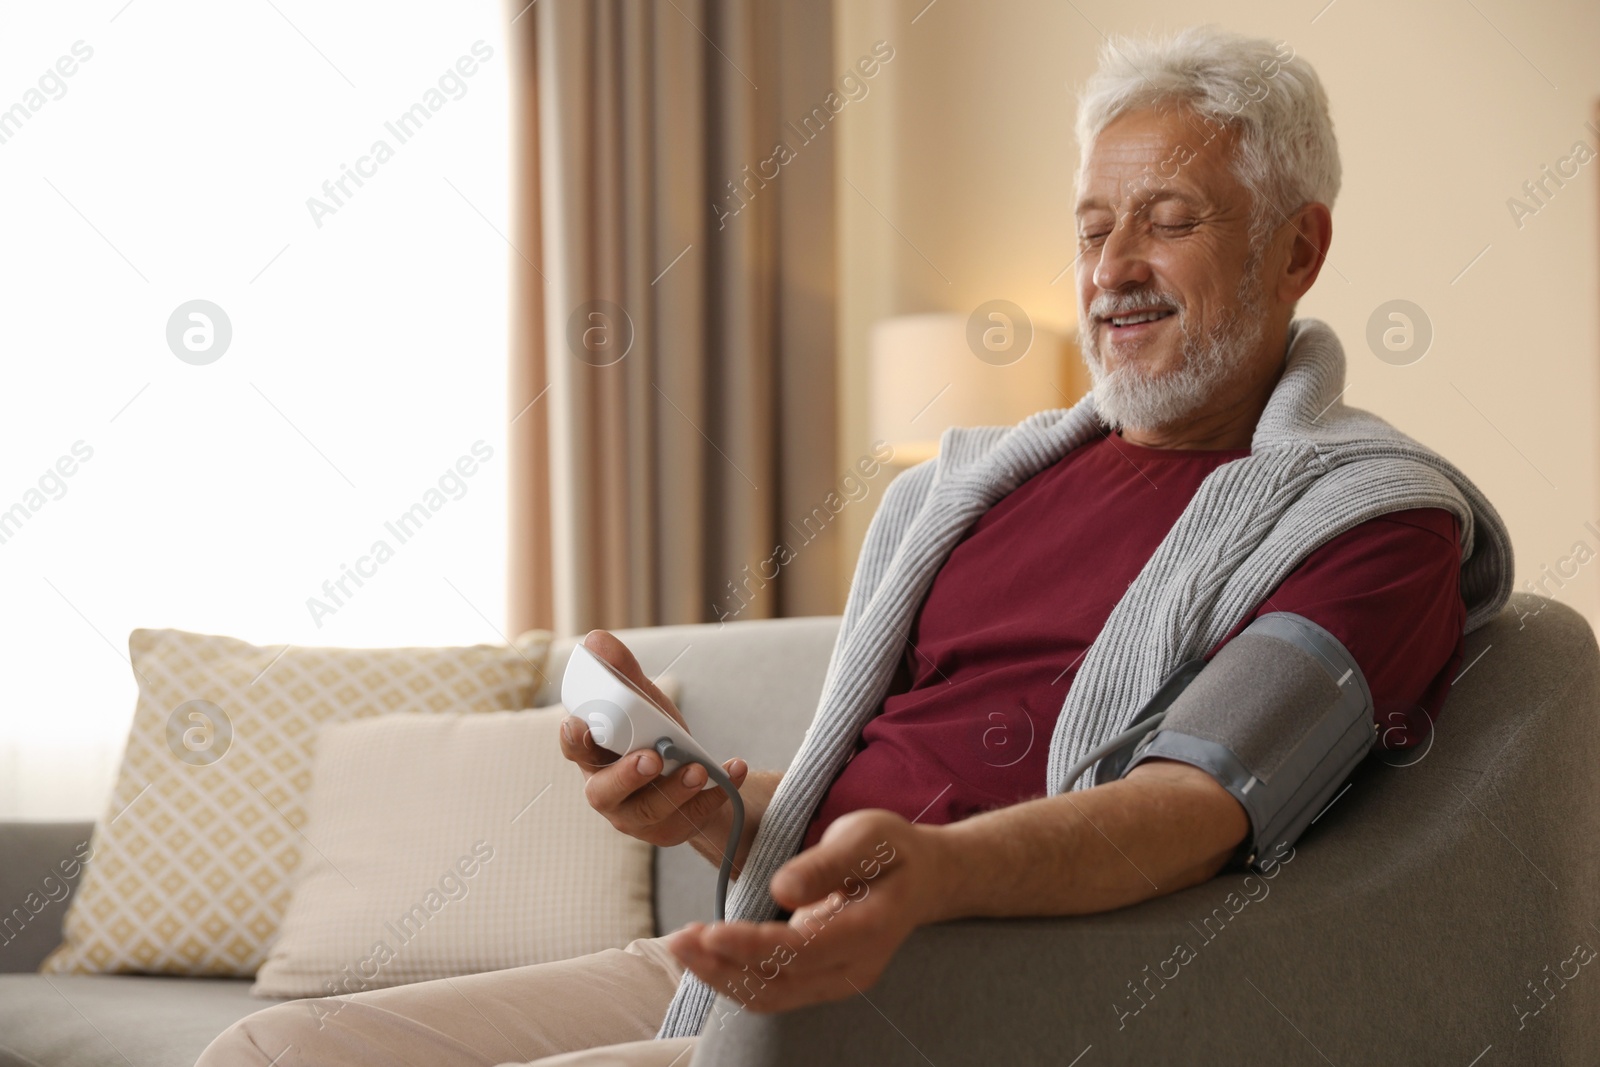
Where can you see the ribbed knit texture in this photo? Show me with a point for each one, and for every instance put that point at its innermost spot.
(1317, 468)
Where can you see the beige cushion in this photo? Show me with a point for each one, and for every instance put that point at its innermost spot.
(191, 866)
(446, 845)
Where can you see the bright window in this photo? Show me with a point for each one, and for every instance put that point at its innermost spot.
(154, 154)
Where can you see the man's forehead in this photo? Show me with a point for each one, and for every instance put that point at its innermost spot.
(1148, 156)
(1139, 137)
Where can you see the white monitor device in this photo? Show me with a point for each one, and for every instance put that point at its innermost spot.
(621, 718)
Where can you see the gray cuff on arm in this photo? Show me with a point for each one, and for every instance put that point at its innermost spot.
(1280, 717)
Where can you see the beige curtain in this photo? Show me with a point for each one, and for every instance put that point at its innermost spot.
(672, 378)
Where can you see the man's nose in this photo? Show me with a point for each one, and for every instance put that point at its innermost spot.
(1122, 263)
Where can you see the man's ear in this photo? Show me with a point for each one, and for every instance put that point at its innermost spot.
(1310, 232)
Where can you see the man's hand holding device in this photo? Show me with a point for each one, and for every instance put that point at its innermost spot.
(636, 790)
(855, 897)
(619, 712)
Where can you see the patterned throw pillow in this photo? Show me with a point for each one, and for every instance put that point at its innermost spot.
(446, 845)
(191, 866)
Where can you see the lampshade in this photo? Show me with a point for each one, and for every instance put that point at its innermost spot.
(930, 372)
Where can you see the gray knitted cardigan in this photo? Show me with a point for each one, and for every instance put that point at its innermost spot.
(1316, 469)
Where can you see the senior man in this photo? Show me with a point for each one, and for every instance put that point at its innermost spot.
(1042, 580)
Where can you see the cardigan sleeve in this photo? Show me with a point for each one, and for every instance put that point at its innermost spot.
(902, 500)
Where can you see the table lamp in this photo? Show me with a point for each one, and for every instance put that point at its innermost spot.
(933, 371)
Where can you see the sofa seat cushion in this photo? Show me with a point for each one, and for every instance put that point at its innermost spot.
(93, 1020)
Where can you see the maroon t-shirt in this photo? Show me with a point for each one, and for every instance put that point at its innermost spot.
(968, 720)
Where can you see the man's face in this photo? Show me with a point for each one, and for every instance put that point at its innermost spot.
(1163, 232)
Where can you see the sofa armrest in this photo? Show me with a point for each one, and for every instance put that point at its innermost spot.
(1293, 982)
(1029, 991)
(39, 869)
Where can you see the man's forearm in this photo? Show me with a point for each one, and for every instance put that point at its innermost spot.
(1165, 827)
(757, 793)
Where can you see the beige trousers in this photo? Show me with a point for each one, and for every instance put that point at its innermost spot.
(594, 1011)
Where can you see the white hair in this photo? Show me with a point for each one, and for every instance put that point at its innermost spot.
(1286, 153)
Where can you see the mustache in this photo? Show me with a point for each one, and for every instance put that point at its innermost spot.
(1120, 303)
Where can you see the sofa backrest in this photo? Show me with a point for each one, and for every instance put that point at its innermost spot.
(36, 859)
(747, 689)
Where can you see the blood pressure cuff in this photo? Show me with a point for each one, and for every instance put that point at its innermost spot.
(1280, 716)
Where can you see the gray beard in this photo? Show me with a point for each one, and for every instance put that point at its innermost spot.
(1127, 397)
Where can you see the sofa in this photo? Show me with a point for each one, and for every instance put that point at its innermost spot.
(1440, 910)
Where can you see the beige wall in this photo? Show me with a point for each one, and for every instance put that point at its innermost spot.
(965, 147)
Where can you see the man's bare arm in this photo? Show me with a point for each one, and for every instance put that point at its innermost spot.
(1164, 827)
(874, 878)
